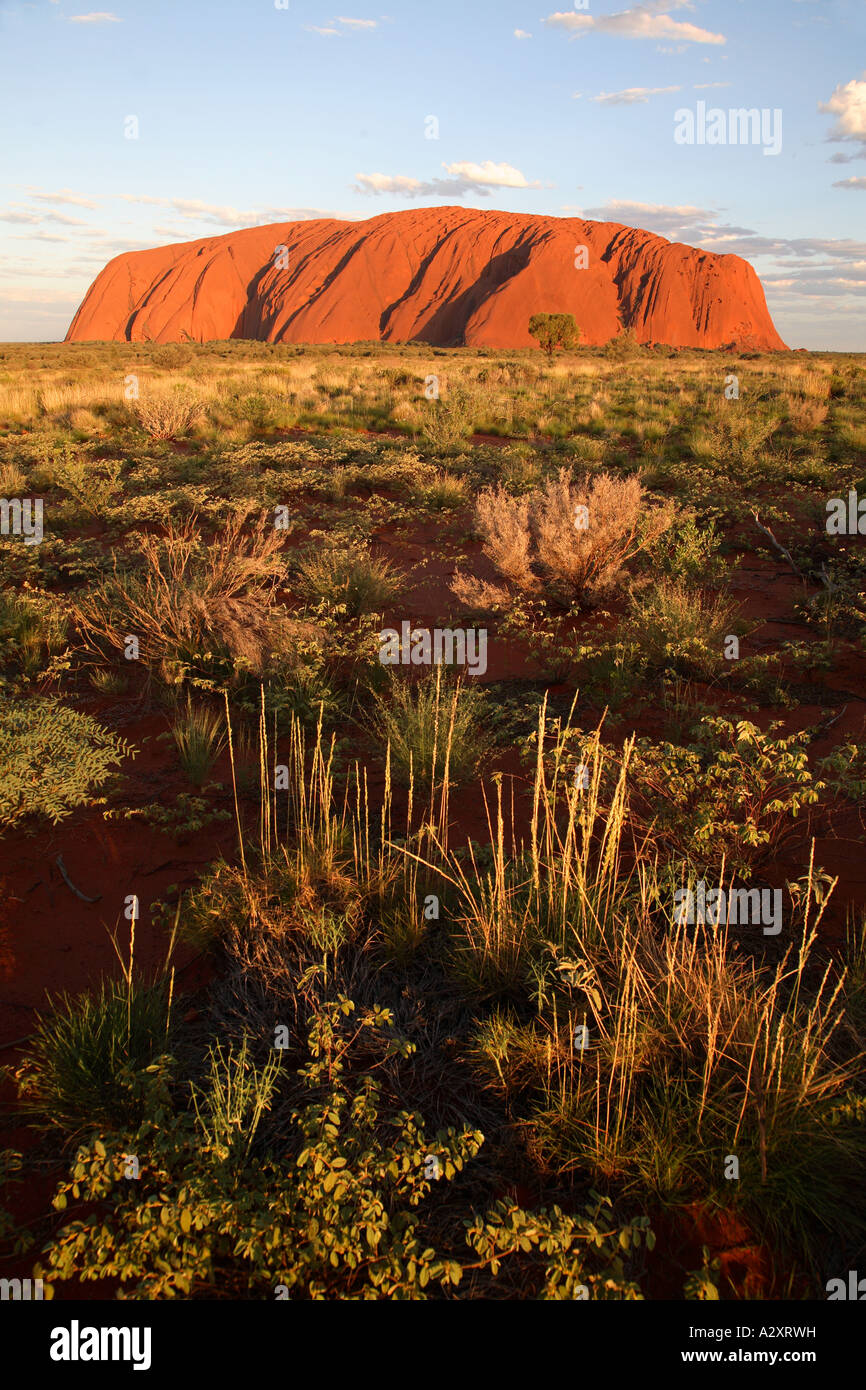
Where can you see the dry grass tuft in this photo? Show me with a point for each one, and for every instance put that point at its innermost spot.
(806, 414)
(504, 524)
(166, 416)
(190, 596)
(577, 537)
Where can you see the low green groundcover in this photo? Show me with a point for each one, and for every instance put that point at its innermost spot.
(52, 759)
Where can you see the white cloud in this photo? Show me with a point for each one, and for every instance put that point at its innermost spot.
(95, 17)
(40, 236)
(648, 21)
(663, 218)
(330, 31)
(391, 183)
(194, 210)
(848, 104)
(464, 177)
(704, 86)
(521, 34)
(65, 195)
(26, 296)
(631, 95)
(490, 174)
(850, 183)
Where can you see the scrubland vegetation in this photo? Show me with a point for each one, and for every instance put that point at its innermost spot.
(455, 1041)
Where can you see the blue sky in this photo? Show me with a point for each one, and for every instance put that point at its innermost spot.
(249, 111)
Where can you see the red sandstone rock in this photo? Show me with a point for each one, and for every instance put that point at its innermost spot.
(446, 276)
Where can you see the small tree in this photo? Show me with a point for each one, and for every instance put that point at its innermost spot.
(625, 344)
(554, 330)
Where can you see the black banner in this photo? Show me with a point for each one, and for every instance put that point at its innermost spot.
(79, 1339)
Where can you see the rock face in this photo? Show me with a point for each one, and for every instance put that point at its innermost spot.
(446, 276)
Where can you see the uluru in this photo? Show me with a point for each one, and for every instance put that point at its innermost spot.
(448, 276)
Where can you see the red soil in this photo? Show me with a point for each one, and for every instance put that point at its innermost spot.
(51, 940)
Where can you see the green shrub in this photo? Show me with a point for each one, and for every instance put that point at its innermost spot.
(86, 1067)
(199, 736)
(348, 577)
(624, 345)
(431, 727)
(688, 550)
(735, 440)
(450, 420)
(52, 759)
(340, 1215)
(170, 356)
(91, 483)
(679, 629)
(32, 627)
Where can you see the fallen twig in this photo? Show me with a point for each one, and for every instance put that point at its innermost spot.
(69, 884)
(786, 554)
(827, 724)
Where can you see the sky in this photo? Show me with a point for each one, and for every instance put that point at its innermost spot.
(170, 120)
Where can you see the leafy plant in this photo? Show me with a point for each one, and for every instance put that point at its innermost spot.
(184, 816)
(702, 1285)
(342, 1217)
(688, 551)
(91, 483)
(53, 758)
(734, 792)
